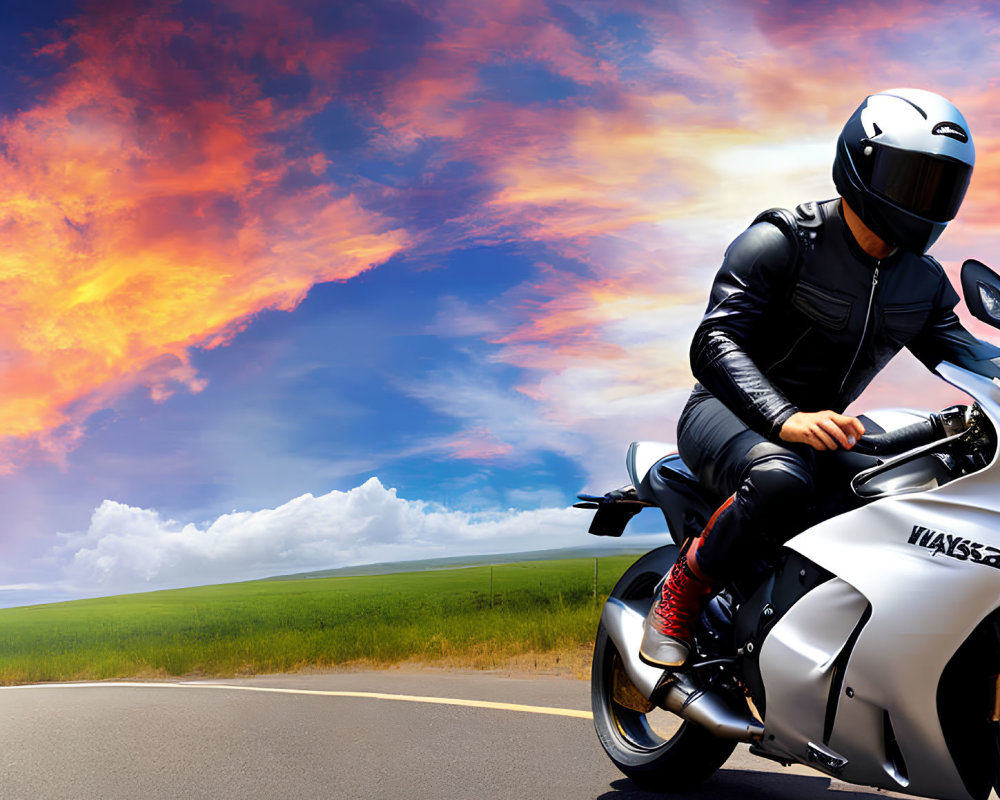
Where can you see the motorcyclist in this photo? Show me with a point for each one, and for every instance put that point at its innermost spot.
(804, 312)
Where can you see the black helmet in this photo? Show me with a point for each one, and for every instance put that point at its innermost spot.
(904, 160)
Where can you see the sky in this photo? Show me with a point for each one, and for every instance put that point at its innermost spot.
(293, 285)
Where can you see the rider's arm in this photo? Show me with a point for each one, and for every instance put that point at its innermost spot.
(944, 338)
(756, 273)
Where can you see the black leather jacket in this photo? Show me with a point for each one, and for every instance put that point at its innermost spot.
(801, 318)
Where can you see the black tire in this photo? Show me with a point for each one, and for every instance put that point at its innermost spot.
(656, 749)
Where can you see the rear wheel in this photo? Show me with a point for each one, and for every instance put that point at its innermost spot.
(653, 747)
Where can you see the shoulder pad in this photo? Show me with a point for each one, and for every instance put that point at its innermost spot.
(932, 262)
(801, 228)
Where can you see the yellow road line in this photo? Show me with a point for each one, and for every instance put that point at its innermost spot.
(406, 698)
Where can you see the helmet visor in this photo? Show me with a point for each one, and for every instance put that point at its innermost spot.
(927, 186)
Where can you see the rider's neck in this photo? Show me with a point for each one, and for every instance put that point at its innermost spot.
(867, 241)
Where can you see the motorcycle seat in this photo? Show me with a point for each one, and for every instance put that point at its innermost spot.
(686, 504)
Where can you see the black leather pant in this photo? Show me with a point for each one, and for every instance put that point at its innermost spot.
(771, 484)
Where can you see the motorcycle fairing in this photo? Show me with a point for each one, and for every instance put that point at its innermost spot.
(793, 577)
(886, 728)
(804, 656)
(641, 457)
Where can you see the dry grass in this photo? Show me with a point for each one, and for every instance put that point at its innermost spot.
(573, 662)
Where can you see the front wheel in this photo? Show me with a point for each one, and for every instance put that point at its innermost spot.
(655, 748)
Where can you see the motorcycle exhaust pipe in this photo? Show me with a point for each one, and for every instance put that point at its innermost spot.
(711, 711)
(623, 620)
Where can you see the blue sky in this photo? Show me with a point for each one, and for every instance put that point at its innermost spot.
(310, 285)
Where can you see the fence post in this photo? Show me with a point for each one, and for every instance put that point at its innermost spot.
(491, 586)
(595, 577)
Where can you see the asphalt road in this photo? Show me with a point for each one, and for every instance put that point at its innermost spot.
(315, 739)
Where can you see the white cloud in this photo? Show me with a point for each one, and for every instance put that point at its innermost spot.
(581, 407)
(456, 318)
(133, 549)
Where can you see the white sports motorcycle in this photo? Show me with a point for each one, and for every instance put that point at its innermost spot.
(867, 647)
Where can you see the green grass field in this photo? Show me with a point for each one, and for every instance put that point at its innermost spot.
(445, 616)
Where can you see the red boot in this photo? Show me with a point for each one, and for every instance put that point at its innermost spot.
(666, 640)
(670, 624)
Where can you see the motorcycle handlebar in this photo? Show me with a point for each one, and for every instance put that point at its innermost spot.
(902, 439)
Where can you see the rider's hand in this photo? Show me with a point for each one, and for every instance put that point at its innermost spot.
(822, 430)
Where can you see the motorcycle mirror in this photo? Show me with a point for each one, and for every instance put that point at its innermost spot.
(981, 287)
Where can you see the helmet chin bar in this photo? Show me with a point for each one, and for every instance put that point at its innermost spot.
(903, 230)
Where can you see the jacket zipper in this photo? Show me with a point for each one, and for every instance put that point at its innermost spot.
(864, 330)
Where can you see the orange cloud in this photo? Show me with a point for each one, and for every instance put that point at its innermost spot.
(438, 96)
(150, 207)
(647, 181)
(147, 209)
(477, 444)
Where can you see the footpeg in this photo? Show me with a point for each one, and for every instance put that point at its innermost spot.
(825, 758)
